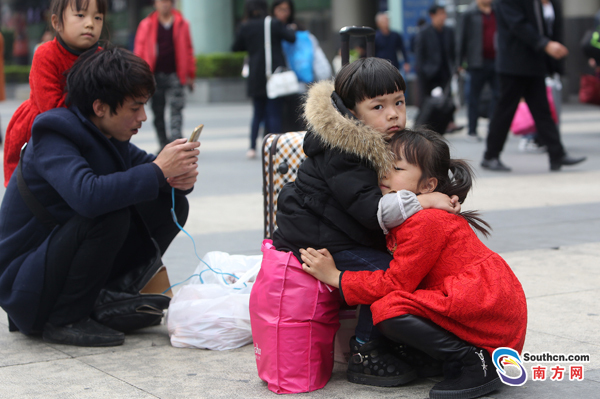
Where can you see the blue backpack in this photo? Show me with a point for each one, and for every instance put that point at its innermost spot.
(300, 56)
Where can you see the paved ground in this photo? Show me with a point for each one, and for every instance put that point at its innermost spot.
(546, 225)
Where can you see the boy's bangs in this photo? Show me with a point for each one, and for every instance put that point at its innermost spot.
(379, 84)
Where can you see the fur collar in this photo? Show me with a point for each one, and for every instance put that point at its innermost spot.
(337, 131)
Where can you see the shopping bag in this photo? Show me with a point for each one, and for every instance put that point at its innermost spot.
(300, 56)
(523, 122)
(211, 312)
(294, 320)
(589, 89)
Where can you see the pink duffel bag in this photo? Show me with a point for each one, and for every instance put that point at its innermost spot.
(294, 319)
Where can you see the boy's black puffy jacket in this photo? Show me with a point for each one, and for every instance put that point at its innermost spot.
(333, 202)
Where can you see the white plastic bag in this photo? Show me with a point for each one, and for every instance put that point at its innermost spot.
(211, 312)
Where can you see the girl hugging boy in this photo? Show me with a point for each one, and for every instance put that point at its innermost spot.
(445, 297)
(335, 201)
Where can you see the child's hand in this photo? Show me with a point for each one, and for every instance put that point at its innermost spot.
(321, 266)
(440, 201)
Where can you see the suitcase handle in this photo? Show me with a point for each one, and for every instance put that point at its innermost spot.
(364, 31)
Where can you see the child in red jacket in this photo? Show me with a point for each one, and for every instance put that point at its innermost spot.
(78, 25)
(445, 293)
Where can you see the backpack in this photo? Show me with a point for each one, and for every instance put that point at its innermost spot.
(590, 44)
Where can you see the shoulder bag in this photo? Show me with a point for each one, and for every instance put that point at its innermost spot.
(281, 82)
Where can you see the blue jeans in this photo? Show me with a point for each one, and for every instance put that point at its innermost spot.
(479, 77)
(268, 111)
(363, 258)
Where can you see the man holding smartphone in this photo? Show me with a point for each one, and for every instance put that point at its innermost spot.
(110, 202)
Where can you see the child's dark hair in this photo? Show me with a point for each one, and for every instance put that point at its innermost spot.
(110, 76)
(367, 78)
(255, 9)
(58, 7)
(430, 152)
(276, 3)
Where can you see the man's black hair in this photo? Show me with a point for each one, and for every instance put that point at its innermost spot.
(110, 76)
(435, 8)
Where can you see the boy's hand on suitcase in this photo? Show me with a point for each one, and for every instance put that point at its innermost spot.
(178, 158)
(320, 265)
(441, 201)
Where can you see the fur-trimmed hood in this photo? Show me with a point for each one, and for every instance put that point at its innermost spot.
(335, 130)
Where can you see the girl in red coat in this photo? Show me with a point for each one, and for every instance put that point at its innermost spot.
(445, 294)
(78, 24)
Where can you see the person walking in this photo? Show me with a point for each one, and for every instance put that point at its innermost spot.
(251, 38)
(476, 48)
(163, 40)
(388, 42)
(435, 56)
(523, 42)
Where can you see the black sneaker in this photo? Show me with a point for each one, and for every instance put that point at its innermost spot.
(373, 363)
(86, 332)
(470, 377)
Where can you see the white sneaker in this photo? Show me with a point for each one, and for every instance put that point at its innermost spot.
(251, 154)
(528, 144)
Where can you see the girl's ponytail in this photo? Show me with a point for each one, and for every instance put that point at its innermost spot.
(461, 182)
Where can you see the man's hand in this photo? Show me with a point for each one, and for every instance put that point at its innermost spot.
(185, 181)
(556, 50)
(440, 201)
(178, 158)
(320, 265)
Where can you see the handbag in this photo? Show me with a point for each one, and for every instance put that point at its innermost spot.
(134, 300)
(589, 89)
(523, 122)
(211, 312)
(294, 320)
(281, 82)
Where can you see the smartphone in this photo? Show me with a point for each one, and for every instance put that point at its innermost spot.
(196, 133)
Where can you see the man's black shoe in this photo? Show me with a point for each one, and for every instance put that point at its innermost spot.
(86, 332)
(565, 161)
(495, 165)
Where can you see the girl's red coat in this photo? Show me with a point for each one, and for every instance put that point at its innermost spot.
(441, 271)
(47, 91)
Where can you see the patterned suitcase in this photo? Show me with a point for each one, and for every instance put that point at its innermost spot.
(282, 156)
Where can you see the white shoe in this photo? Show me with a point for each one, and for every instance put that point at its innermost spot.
(251, 154)
(527, 144)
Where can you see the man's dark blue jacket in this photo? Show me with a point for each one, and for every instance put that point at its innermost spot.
(71, 168)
